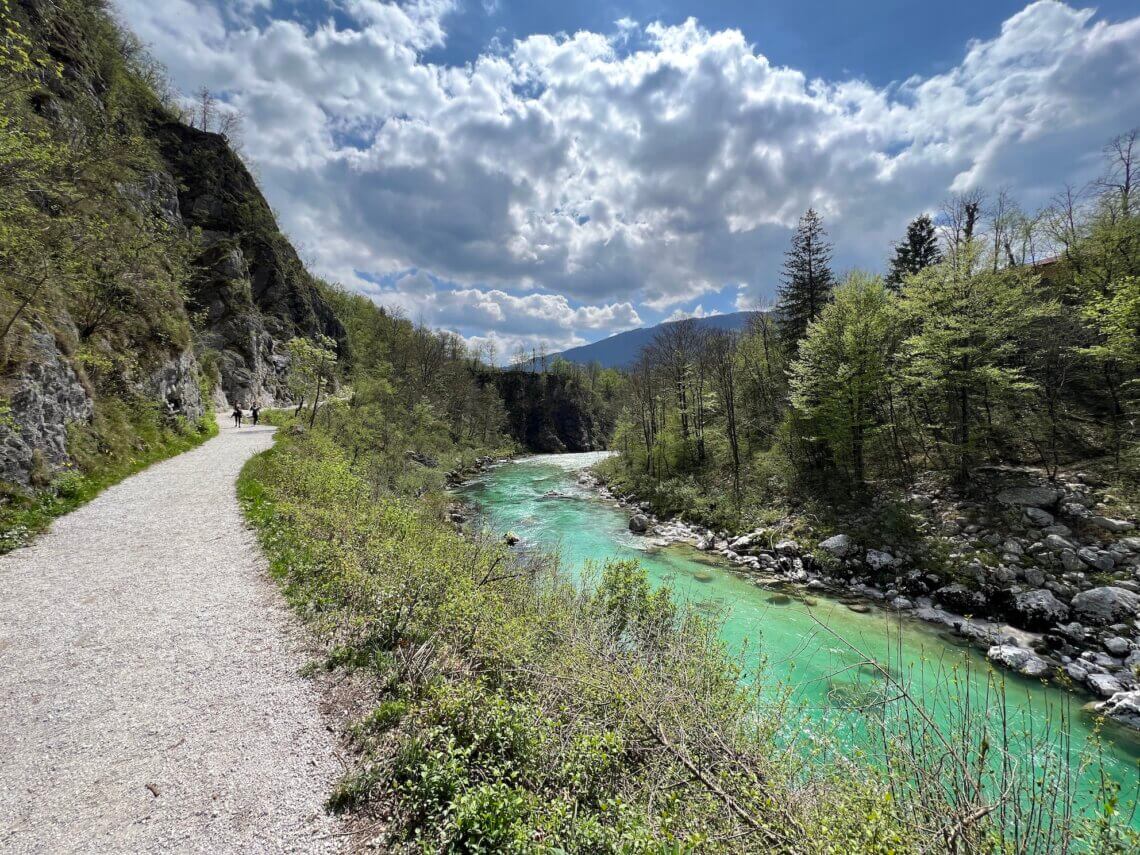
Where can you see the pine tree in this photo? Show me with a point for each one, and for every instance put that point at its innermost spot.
(807, 278)
(917, 252)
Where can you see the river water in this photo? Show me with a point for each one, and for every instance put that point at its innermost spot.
(802, 647)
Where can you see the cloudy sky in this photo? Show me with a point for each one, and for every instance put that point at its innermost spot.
(527, 171)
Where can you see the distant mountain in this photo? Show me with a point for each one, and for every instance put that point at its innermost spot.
(622, 350)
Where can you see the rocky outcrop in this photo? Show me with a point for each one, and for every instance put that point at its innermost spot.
(251, 286)
(552, 412)
(45, 398)
(175, 385)
(1106, 605)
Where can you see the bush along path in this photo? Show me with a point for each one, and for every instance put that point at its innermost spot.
(149, 687)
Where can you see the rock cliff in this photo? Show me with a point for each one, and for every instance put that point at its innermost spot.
(250, 286)
(156, 252)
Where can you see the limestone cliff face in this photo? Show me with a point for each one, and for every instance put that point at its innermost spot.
(552, 412)
(247, 293)
(45, 396)
(251, 287)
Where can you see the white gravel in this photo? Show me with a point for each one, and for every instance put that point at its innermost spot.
(142, 644)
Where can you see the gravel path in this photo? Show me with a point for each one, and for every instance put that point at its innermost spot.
(149, 696)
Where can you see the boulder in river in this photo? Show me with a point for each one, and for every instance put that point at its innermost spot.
(639, 523)
(1038, 609)
(959, 598)
(1106, 605)
(1123, 707)
(1104, 685)
(1019, 659)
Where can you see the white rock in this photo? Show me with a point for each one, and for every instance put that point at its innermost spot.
(839, 545)
(1019, 659)
(1104, 685)
(1123, 707)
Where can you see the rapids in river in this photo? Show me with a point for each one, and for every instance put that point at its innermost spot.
(808, 648)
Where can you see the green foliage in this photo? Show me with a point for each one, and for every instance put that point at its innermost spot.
(962, 356)
(842, 367)
(312, 365)
(917, 252)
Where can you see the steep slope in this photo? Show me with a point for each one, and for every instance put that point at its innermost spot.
(251, 286)
(622, 350)
(141, 270)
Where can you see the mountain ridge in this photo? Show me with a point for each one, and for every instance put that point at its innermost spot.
(621, 350)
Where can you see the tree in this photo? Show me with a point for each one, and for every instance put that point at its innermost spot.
(842, 366)
(807, 279)
(961, 360)
(1120, 180)
(311, 364)
(204, 110)
(720, 349)
(960, 215)
(917, 252)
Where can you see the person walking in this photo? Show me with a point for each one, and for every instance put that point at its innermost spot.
(255, 412)
(237, 414)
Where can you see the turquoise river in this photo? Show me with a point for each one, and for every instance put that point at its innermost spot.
(801, 645)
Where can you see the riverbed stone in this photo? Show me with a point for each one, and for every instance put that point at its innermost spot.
(1104, 685)
(1117, 646)
(1123, 707)
(1056, 543)
(1038, 609)
(1019, 659)
(1037, 497)
(839, 545)
(1096, 558)
(639, 523)
(1071, 562)
(1105, 605)
(1038, 517)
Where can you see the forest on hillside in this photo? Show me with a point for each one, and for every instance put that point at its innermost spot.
(996, 336)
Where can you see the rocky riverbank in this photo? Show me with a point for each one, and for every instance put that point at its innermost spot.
(1044, 575)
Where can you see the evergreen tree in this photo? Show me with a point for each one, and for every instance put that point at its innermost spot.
(807, 278)
(917, 252)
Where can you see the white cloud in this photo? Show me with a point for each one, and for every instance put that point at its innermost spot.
(571, 175)
(698, 312)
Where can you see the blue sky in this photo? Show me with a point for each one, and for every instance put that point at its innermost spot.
(552, 173)
(879, 40)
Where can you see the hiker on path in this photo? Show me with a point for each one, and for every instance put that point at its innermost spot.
(237, 414)
(255, 411)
